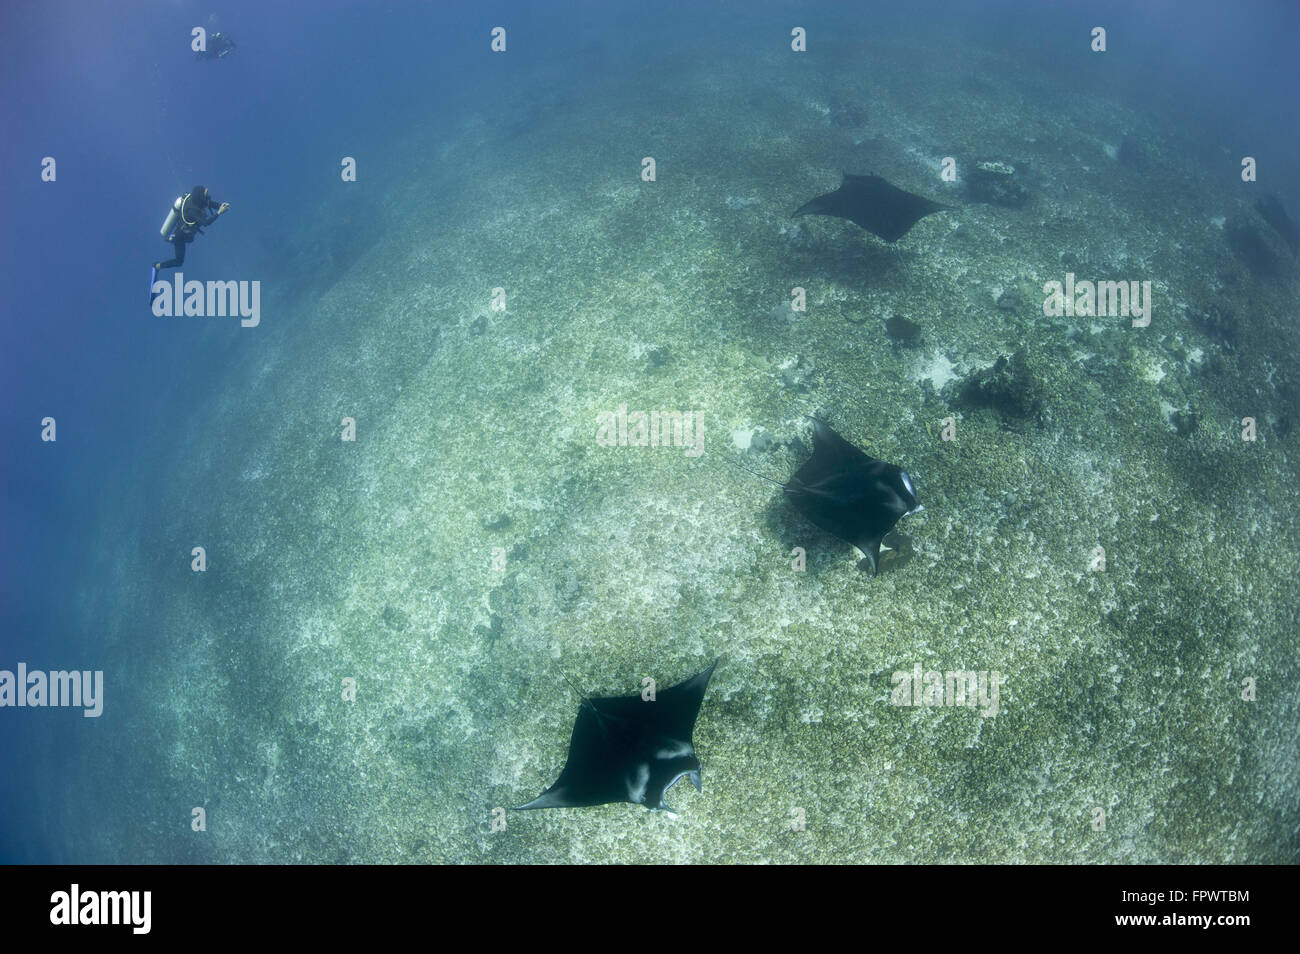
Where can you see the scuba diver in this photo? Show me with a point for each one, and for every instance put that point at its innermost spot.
(188, 217)
(218, 45)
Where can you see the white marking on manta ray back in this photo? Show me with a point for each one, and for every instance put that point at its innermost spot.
(678, 749)
(636, 787)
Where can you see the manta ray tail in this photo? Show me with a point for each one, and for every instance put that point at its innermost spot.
(754, 473)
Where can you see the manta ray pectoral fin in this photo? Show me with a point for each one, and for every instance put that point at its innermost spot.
(550, 799)
(663, 806)
(693, 775)
(872, 549)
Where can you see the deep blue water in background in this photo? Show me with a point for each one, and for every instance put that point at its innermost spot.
(113, 93)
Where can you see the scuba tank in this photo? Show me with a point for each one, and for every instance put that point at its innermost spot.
(169, 226)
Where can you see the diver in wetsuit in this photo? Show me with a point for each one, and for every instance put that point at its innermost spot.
(188, 217)
(218, 45)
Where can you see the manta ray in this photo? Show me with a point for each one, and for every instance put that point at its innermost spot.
(884, 210)
(849, 494)
(629, 749)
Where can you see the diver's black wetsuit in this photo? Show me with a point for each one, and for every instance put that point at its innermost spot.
(192, 219)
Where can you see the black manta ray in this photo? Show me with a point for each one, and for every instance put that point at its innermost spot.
(624, 749)
(869, 201)
(847, 493)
